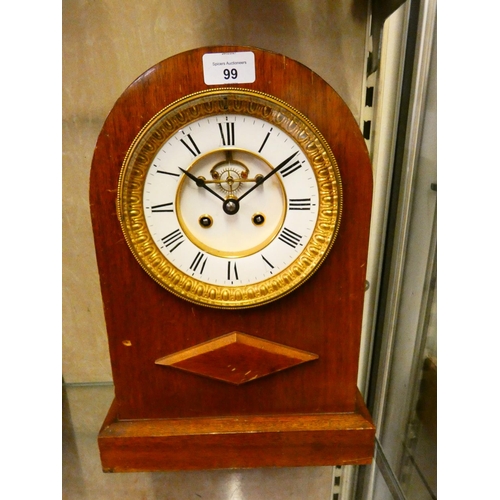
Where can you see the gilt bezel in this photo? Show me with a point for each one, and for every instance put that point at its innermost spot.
(214, 102)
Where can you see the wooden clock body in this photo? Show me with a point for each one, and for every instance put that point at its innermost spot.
(164, 418)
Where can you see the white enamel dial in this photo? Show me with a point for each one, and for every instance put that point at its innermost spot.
(231, 153)
(229, 198)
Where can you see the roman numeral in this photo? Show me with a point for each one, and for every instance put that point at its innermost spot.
(289, 237)
(165, 207)
(197, 261)
(265, 140)
(228, 135)
(291, 168)
(195, 151)
(299, 204)
(173, 239)
(232, 271)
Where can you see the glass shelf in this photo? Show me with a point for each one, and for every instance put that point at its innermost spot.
(84, 409)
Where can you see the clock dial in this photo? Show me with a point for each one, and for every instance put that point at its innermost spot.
(230, 198)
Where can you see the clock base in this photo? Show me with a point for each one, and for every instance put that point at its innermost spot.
(236, 442)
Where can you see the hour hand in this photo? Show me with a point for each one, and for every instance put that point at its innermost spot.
(200, 182)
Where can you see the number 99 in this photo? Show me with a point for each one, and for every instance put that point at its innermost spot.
(230, 74)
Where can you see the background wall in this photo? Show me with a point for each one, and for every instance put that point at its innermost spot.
(109, 43)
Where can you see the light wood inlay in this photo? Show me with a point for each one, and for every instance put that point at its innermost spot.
(236, 358)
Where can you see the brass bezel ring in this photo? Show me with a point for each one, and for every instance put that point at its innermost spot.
(223, 253)
(209, 103)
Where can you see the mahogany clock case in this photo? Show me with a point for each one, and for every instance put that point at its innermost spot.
(323, 316)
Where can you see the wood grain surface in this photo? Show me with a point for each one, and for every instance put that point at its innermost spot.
(323, 316)
(236, 442)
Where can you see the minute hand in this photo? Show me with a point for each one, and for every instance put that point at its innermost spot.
(272, 172)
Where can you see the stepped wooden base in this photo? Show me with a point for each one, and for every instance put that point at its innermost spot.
(236, 442)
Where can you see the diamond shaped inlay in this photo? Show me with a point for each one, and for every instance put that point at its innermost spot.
(236, 358)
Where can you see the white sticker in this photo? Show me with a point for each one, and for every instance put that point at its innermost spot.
(229, 67)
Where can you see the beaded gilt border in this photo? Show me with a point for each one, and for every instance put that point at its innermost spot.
(178, 115)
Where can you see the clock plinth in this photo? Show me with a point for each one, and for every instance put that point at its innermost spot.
(237, 442)
(282, 160)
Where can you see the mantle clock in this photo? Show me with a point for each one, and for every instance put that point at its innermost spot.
(230, 195)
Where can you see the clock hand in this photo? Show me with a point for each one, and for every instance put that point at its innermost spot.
(201, 183)
(261, 180)
(232, 205)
